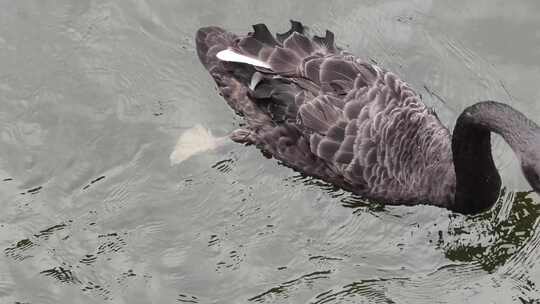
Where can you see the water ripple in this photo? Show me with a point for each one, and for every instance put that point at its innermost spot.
(94, 94)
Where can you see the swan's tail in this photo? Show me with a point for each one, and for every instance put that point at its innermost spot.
(254, 69)
(210, 41)
(232, 78)
(195, 140)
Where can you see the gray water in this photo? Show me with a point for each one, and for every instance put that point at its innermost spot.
(94, 95)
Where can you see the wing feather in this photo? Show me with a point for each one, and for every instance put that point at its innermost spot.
(339, 117)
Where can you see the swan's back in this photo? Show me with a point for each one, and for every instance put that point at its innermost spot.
(328, 114)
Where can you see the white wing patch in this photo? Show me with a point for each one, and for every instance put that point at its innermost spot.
(255, 79)
(230, 55)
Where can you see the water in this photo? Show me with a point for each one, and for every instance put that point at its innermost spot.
(95, 94)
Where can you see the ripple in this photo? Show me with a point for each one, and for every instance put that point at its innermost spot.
(231, 261)
(46, 233)
(370, 291)
(183, 298)
(17, 251)
(86, 135)
(93, 182)
(34, 190)
(492, 238)
(61, 274)
(283, 289)
(124, 276)
(111, 243)
(88, 259)
(224, 166)
(332, 190)
(20, 250)
(101, 291)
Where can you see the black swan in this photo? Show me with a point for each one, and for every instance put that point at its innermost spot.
(328, 114)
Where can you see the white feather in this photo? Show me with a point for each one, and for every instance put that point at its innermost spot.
(193, 141)
(230, 55)
(255, 79)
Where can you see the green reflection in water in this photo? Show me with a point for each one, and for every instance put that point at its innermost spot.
(492, 237)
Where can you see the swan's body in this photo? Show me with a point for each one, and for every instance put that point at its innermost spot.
(331, 115)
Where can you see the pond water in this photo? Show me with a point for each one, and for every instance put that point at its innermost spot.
(94, 95)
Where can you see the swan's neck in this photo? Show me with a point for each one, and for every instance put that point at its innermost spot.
(477, 180)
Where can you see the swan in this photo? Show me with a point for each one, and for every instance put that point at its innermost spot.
(328, 114)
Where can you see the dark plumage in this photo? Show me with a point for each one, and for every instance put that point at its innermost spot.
(331, 115)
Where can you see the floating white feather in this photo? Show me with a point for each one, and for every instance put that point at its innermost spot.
(193, 141)
(230, 55)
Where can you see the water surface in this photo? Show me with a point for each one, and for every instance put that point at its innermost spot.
(94, 94)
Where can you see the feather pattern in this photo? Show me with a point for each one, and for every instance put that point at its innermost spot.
(331, 115)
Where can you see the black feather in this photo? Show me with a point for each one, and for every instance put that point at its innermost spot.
(262, 34)
(295, 27)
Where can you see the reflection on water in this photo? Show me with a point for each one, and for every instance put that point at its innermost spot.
(491, 238)
(94, 96)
